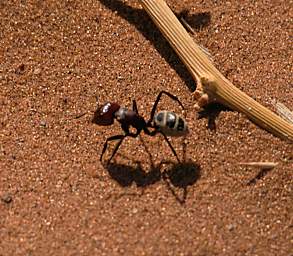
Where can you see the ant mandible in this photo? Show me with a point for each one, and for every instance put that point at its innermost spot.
(165, 122)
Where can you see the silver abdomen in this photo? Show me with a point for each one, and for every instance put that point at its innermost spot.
(170, 123)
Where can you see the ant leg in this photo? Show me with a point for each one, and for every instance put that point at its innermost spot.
(157, 102)
(116, 147)
(122, 137)
(148, 132)
(134, 106)
(154, 132)
(170, 145)
(116, 137)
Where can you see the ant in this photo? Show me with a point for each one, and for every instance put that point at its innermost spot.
(164, 122)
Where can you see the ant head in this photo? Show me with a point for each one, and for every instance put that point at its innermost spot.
(104, 115)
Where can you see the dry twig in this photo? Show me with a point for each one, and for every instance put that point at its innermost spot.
(212, 85)
(283, 111)
(262, 165)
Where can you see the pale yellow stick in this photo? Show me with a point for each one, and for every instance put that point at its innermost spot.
(212, 85)
(262, 165)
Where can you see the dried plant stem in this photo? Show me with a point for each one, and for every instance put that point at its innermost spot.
(283, 111)
(210, 81)
(262, 165)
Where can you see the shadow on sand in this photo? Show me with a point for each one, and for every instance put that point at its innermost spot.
(140, 19)
(177, 178)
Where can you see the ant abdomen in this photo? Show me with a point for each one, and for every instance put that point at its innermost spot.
(170, 124)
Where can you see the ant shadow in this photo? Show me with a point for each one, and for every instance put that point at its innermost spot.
(140, 19)
(125, 175)
(178, 177)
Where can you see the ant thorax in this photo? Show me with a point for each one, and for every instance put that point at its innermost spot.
(121, 113)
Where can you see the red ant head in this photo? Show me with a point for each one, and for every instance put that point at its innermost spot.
(104, 115)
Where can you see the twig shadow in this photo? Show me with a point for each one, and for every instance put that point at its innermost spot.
(262, 173)
(196, 21)
(211, 112)
(143, 23)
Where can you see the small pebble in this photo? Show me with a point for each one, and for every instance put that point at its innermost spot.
(37, 71)
(20, 69)
(43, 123)
(230, 227)
(6, 198)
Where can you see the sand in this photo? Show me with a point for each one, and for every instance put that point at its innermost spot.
(59, 59)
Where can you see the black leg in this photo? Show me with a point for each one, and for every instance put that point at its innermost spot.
(148, 132)
(157, 101)
(170, 145)
(115, 137)
(120, 138)
(134, 106)
(116, 148)
(149, 125)
(133, 135)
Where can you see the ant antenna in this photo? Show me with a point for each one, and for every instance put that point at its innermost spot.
(87, 112)
(80, 115)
